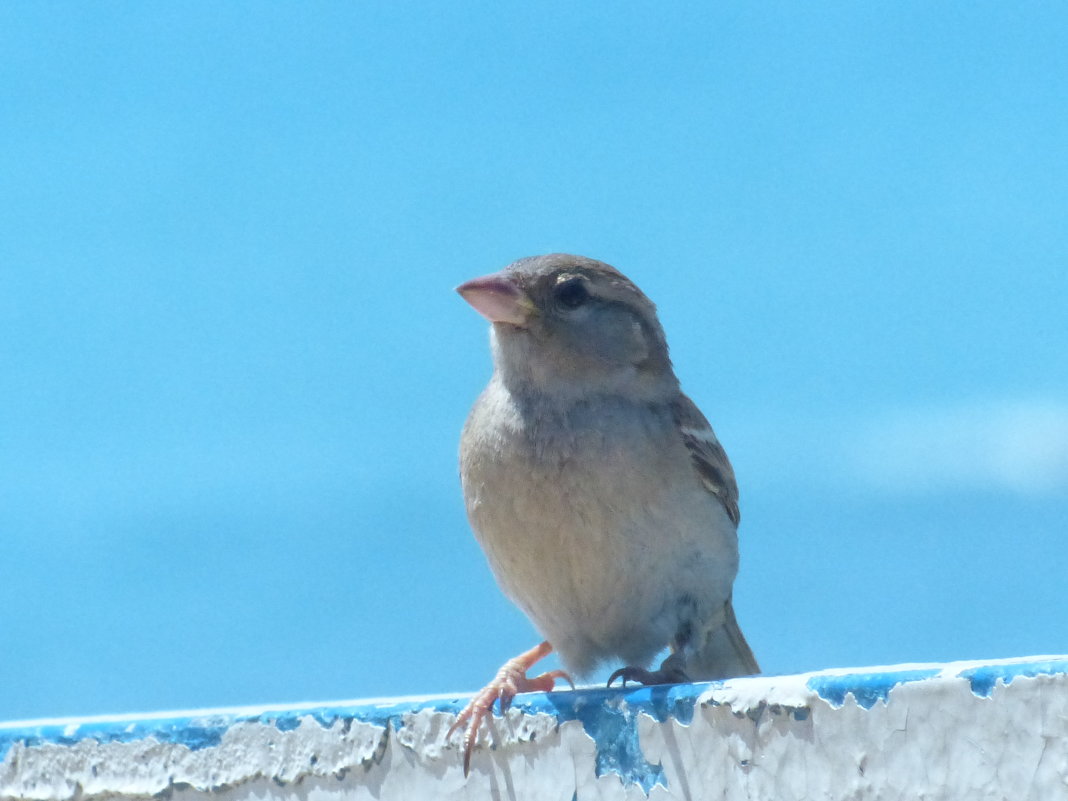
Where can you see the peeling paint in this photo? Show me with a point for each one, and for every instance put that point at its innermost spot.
(866, 688)
(960, 730)
(610, 718)
(983, 678)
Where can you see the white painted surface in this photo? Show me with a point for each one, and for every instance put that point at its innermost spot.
(942, 732)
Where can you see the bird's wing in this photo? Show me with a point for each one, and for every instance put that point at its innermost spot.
(708, 456)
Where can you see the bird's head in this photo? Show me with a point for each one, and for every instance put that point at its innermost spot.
(571, 326)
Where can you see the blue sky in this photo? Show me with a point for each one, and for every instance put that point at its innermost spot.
(233, 370)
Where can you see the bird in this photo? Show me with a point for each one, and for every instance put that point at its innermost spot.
(603, 501)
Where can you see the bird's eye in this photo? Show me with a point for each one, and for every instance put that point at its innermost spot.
(571, 294)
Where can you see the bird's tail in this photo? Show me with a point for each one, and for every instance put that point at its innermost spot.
(723, 654)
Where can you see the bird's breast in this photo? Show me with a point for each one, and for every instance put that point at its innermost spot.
(592, 517)
(585, 472)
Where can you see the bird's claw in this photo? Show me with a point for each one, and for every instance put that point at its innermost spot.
(667, 674)
(510, 680)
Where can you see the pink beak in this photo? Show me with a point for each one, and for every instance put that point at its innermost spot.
(497, 299)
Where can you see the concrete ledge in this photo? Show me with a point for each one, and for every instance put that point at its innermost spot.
(967, 730)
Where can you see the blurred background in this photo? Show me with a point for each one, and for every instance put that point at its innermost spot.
(233, 370)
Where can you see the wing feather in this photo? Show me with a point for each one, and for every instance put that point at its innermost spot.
(709, 459)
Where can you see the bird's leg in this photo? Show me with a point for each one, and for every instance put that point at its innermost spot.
(510, 680)
(670, 672)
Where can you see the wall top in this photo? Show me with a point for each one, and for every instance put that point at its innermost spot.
(209, 749)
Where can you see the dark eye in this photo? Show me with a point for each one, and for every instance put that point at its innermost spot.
(571, 294)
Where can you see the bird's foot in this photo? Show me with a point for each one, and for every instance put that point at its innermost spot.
(510, 680)
(669, 672)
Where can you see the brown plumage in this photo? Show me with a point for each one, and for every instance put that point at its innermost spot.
(605, 505)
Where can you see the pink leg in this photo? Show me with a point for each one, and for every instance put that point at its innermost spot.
(510, 680)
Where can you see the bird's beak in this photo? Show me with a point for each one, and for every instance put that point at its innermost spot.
(498, 299)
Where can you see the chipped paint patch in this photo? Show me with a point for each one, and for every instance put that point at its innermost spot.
(866, 688)
(984, 678)
(610, 717)
(200, 729)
